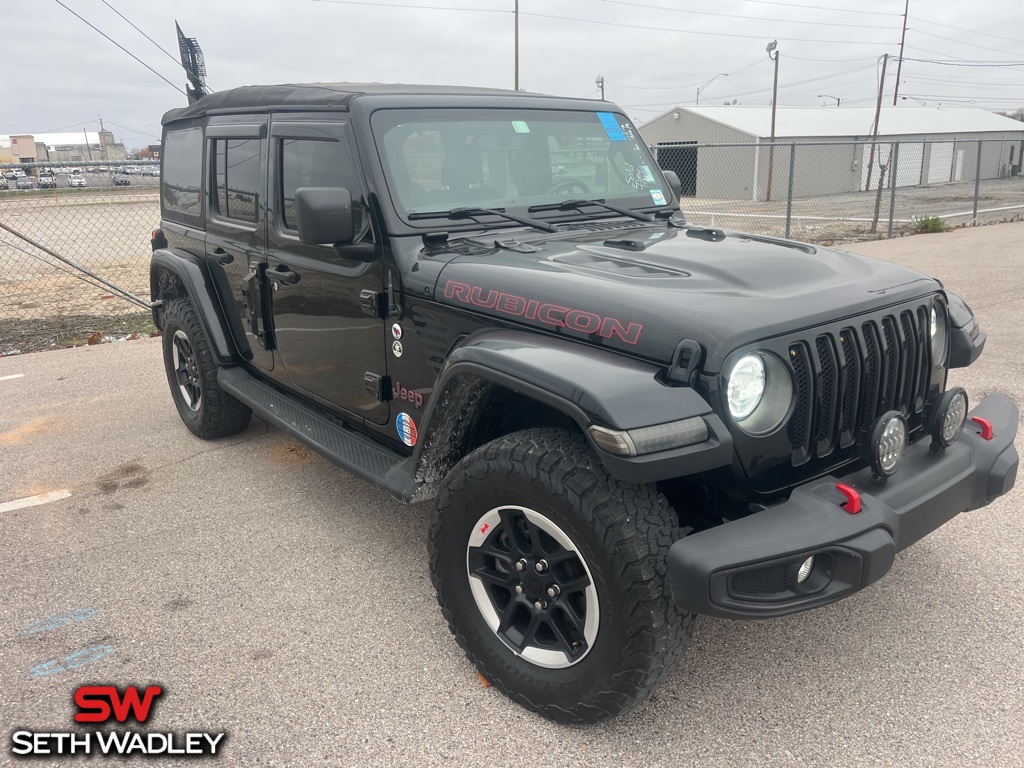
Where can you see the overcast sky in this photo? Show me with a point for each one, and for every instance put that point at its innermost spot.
(59, 74)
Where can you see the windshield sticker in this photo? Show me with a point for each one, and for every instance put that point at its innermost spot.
(657, 197)
(646, 170)
(611, 126)
(520, 126)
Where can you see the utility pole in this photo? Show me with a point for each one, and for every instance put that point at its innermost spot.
(899, 64)
(775, 98)
(878, 114)
(517, 46)
(88, 147)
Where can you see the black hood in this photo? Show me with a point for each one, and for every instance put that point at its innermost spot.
(643, 289)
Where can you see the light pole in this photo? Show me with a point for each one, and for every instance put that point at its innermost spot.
(775, 98)
(826, 96)
(700, 88)
(600, 84)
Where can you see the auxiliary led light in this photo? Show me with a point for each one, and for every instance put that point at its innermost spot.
(884, 447)
(946, 418)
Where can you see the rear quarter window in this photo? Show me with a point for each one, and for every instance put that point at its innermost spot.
(182, 176)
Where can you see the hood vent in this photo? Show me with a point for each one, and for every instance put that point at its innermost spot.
(607, 261)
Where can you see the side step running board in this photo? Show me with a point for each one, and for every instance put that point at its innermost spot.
(386, 470)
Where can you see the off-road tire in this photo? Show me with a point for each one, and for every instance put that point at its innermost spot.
(622, 533)
(213, 413)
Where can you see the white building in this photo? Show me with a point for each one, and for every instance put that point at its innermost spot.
(832, 150)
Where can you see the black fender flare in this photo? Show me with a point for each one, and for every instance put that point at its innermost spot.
(967, 341)
(590, 386)
(191, 270)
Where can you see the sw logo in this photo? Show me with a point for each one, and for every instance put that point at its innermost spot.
(99, 704)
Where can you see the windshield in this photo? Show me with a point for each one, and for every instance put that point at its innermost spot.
(442, 159)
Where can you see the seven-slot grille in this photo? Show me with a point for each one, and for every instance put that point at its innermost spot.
(844, 380)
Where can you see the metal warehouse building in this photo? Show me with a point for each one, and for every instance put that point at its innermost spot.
(831, 148)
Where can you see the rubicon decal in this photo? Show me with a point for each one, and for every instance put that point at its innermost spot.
(99, 704)
(549, 314)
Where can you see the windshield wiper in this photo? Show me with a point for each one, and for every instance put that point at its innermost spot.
(469, 213)
(575, 205)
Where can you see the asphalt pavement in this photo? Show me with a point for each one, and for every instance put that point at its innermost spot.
(278, 599)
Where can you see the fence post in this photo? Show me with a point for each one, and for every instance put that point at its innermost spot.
(789, 194)
(977, 186)
(892, 185)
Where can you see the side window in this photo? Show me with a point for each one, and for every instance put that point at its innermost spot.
(236, 177)
(182, 175)
(315, 163)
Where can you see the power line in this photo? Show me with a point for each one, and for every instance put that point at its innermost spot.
(738, 16)
(679, 87)
(732, 35)
(966, 62)
(154, 42)
(419, 7)
(822, 8)
(961, 42)
(970, 31)
(179, 90)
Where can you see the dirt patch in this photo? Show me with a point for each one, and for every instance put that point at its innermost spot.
(292, 451)
(27, 429)
(59, 331)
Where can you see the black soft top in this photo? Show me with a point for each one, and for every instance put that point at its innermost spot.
(318, 96)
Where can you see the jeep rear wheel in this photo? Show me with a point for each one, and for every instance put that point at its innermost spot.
(207, 410)
(551, 575)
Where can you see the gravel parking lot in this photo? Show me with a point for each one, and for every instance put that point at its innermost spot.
(279, 599)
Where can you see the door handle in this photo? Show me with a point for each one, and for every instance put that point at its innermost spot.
(221, 256)
(283, 275)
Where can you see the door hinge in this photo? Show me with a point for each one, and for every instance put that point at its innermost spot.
(379, 386)
(374, 303)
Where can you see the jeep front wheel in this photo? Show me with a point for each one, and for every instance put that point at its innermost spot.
(207, 410)
(551, 575)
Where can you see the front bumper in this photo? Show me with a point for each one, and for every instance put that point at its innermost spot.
(747, 569)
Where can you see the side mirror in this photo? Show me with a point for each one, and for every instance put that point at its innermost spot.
(324, 215)
(673, 183)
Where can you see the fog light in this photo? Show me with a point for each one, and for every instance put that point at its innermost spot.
(805, 570)
(946, 417)
(884, 445)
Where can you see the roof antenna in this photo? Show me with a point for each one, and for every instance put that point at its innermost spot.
(195, 67)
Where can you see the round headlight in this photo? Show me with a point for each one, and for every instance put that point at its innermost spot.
(938, 328)
(746, 386)
(759, 392)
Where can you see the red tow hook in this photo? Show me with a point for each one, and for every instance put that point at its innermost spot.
(986, 427)
(852, 504)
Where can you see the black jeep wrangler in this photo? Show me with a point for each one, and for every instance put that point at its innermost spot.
(491, 299)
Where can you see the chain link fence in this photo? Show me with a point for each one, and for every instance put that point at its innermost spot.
(74, 257)
(833, 192)
(74, 250)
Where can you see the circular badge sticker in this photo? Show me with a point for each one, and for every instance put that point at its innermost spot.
(396, 331)
(406, 428)
(397, 348)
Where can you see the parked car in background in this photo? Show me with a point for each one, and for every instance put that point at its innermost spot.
(77, 181)
(46, 182)
(3, 184)
(9, 174)
(25, 183)
(121, 180)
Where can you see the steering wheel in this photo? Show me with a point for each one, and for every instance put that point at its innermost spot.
(565, 185)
